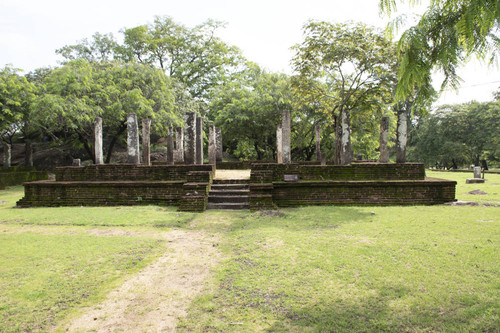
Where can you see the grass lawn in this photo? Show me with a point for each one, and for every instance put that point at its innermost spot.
(311, 269)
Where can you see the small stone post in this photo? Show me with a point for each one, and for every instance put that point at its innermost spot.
(77, 162)
(199, 140)
(170, 146)
(384, 139)
(477, 172)
(279, 144)
(134, 156)
(286, 137)
(179, 142)
(218, 144)
(28, 154)
(7, 155)
(212, 149)
(190, 148)
(146, 141)
(323, 159)
(317, 131)
(99, 159)
(401, 139)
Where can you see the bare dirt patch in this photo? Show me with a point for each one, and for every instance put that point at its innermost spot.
(154, 299)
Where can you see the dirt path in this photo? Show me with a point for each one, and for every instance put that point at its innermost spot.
(154, 299)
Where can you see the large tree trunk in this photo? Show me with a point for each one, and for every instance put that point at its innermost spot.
(338, 141)
(114, 139)
(28, 153)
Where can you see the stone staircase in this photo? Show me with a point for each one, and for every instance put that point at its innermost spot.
(229, 194)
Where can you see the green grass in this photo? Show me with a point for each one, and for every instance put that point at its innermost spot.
(311, 269)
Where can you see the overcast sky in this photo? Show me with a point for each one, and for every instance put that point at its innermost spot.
(31, 30)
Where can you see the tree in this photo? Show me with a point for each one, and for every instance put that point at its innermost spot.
(248, 111)
(348, 68)
(80, 91)
(99, 48)
(448, 33)
(17, 95)
(460, 134)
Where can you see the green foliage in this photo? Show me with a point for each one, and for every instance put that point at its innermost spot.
(448, 33)
(80, 91)
(17, 95)
(99, 48)
(460, 134)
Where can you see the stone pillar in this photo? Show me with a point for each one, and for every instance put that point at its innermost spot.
(279, 144)
(134, 156)
(98, 152)
(190, 148)
(28, 154)
(170, 146)
(402, 136)
(179, 142)
(346, 152)
(7, 155)
(218, 144)
(199, 140)
(286, 137)
(146, 141)
(77, 162)
(317, 131)
(384, 139)
(212, 146)
(323, 158)
(477, 172)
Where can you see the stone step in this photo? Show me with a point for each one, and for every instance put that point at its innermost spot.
(232, 206)
(229, 199)
(221, 187)
(230, 192)
(230, 181)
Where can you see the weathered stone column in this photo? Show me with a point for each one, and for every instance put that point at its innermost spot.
(7, 155)
(170, 146)
(179, 142)
(190, 148)
(286, 137)
(317, 131)
(401, 139)
(134, 156)
(212, 147)
(146, 141)
(218, 144)
(384, 139)
(279, 144)
(77, 162)
(99, 159)
(28, 154)
(346, 153)
(199, 140)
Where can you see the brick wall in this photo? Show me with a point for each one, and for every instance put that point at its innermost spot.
(128, 172)
(355, 171)
(363, 193)
(50, 193)
(18, 175)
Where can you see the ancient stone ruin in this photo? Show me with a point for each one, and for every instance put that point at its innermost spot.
(189, 184)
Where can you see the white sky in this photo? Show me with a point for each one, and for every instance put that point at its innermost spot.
(31, 30)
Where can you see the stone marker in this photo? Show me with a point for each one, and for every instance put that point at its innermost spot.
(286, 137)
(99, 159)
(212, 149)
(7, 154)
(179, 145)
(279, 144)
(317, 131)
(28, 154)
(477, 177)
(384, 139)
(190, 148)
(199, 140)
(134, 156)
(323, 159)
(170, 146)
(77, 162)
(146, 141)
(401, 139)
(346, 154)
(218, 144)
